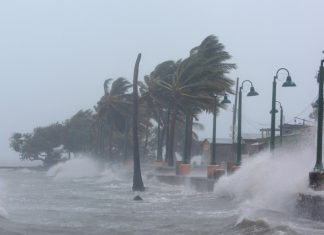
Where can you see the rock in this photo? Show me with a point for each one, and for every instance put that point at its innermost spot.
(138, 198)
(310, 206)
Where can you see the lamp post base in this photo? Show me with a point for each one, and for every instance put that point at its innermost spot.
(184, 169)
(160, 163)
(310, 206)
(178, 163)
(232, 167)
(316, 180)
(214, 171)
(129, 163)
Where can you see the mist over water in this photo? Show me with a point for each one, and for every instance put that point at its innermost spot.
(85, 168)
(269, 181)
(3, 195)
(82, 167)
(266, 187)
(85, 196)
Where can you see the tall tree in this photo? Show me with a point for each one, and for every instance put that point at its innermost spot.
(43, 144)
(156, 101)
(196, 81)
(111, 112)
(137, 175)
(78, 132)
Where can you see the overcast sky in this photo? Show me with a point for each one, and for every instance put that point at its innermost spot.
(55, 54)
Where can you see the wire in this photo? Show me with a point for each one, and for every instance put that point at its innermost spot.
(302, 112)
(259, 123)
(254, 123)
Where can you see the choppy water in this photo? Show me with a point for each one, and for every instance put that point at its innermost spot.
(81, 197)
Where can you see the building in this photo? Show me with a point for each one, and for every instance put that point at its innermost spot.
(253, 143)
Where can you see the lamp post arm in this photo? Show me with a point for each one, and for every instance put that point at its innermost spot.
(244, 82)
(276, 77)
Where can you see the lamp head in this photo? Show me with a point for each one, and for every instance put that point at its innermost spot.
(315, 105)
(226, 100)
(252, 92)
(288, 82)
(276, 111)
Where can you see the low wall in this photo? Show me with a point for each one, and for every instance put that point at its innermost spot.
(200, 184)
(310, 206)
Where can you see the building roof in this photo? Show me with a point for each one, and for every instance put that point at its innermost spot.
(221, 140)
(246, 136)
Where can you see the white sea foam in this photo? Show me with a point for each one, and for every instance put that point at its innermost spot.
(268, 181)
(3, 197)
(25, 171)
(110, 174)
(81, 167)
(85, 167)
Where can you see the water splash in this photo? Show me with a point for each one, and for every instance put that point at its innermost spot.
(82, 167)
(269, 181)
(3, 198)
(86, 167)
(113, 173)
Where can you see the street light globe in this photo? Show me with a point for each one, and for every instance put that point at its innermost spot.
(252, 92)
(288, 82)
(226, 100)
(276, 111)
(315, 105)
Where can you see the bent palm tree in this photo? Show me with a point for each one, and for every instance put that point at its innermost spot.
(111, 111)
(196, 81)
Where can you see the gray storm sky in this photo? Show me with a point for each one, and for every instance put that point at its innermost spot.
(55, 55)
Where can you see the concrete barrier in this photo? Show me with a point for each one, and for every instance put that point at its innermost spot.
(310, 206)
(199, 184)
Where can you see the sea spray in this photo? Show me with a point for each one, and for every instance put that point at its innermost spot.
(3, 198)
(267, 181)
(81, 167)
(115, 172)
(85, 167)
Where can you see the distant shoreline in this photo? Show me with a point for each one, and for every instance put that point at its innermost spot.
(23, 167)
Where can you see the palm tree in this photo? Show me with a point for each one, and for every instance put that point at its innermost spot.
(150, 108)
(111, 111)
(137, 176)
(196, 81)
(156, 101)
(78, 133)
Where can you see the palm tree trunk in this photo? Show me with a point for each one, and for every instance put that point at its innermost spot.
(189, 138)
(159, 143)
(100, 141)
(137, 176)
(171, 136)
(146, 141)
(167, 137)
(110, 136)
(126, 140)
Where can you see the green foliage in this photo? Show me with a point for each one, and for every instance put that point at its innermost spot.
(112, 112)
(182, 88)
(189, 86)
(40, 144)
(79, 132)
(199, 77)
(48, 143)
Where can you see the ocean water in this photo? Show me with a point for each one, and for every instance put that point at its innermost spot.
(84, 197)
